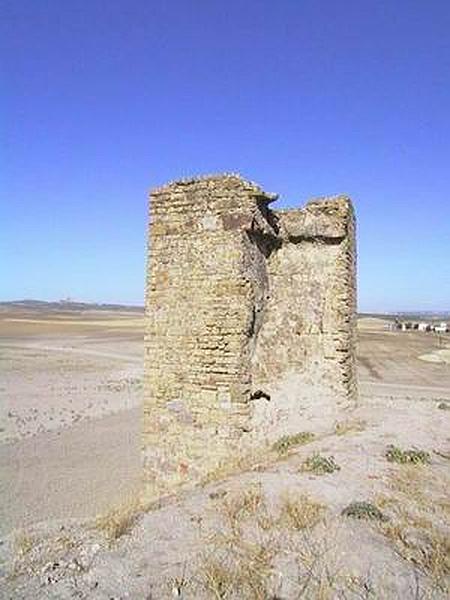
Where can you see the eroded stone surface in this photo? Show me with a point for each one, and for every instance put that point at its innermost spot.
(250, 324)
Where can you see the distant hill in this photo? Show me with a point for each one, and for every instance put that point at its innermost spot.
(424, 315)
(67, 305)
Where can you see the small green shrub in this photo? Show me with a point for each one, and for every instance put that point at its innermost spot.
(364, 510)
(320, 465)
(444, 405)
(285, 443)
(413, 456)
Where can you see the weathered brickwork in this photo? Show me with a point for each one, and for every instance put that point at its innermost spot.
(250, 324)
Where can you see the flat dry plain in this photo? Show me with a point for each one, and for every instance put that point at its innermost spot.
(71, 387)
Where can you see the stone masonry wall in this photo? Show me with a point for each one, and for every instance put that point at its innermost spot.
(249, 325)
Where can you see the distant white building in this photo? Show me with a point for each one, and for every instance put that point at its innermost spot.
(424, 327)
(442, 328)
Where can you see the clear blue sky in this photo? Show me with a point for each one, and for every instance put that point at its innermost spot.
(102, 100)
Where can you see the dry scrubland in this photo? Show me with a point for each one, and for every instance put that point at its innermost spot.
(360, 513)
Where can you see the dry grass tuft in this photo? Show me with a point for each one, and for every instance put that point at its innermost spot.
(349, 426)
(217, 578)
(178, 585)
(317, 574)
(285, 443)
(23, 543)
(243, 570)
(420, 542)
(238, 563)
(411, 484)
(119, 520)
(417, 512)
(239, 506)
(300, 512)
(265, 521)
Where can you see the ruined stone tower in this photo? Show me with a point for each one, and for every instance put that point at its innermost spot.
(250, 322)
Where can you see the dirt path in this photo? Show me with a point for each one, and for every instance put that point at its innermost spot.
(429, 390)
(73, 350)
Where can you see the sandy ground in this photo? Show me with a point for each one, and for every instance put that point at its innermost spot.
(70, 449)
(71, 387)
